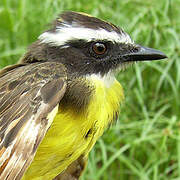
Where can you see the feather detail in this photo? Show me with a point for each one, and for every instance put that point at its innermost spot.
(28, 94)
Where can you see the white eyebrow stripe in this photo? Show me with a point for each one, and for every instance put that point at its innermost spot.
(64, 34)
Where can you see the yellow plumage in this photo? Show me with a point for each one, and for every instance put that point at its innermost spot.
(65, 140)
(61, 97)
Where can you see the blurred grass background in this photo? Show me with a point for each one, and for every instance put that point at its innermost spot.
(145, 142)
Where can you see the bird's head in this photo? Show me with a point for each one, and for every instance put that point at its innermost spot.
(87, 45)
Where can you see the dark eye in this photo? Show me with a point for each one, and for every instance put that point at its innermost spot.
(99, 48)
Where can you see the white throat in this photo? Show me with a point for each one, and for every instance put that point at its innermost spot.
(106, 80)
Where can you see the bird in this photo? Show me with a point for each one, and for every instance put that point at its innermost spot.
(59, 98)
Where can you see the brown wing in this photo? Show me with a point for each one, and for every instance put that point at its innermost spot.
(27, 95)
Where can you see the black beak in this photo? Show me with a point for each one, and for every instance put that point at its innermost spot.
(144, 54)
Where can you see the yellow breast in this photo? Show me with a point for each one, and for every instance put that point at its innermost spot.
(74, 133)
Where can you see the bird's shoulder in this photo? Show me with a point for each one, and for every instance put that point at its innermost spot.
(28, 94)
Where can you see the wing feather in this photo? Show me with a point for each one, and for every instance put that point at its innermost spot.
(28, 94)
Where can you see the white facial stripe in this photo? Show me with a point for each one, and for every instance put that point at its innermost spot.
(66, 33)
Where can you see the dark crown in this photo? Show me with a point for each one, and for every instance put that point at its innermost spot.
(75, 19)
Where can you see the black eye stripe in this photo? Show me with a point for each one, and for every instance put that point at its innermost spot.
(97, 49)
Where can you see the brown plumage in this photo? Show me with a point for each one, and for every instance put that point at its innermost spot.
(27, 95)
(72, 67)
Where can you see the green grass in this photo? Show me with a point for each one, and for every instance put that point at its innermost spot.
(145, 142)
